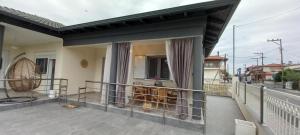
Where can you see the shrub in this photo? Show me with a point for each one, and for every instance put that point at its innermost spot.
(288, 75)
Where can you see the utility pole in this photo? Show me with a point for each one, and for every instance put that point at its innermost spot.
(233, 50)
(225, 63)
(262, 64)
(225, 68)
(261, 56)
(279, 42)
(256, 60)
(245, 72)
(255, 71)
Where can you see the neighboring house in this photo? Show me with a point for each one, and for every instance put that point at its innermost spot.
(135, 48)
(270, 70)
(293, 67)
(266, 72)
(215, 69)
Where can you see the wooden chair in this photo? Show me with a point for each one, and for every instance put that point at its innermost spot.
(172, 97)
(160, 96)
(138, 93)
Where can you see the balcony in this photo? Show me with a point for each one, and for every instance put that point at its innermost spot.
(210, 118)
(97, 116)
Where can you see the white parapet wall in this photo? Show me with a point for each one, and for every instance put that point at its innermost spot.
(249, 115)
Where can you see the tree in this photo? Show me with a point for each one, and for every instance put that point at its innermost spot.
(277, 77)
(288, 75)
(291, 75)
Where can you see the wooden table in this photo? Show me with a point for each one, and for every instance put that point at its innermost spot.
(150, 94)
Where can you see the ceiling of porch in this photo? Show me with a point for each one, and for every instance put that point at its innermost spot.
(17, 36)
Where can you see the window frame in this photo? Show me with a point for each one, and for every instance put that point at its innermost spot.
(42, 68)
(158, 67)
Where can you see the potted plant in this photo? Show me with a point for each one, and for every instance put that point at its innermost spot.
(158, 82)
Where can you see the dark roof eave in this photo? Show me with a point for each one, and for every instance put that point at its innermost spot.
(234, 6)
(203, 6)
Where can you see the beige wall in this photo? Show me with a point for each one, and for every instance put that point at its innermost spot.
(100, 54)
(31, 52)
(67, 61)
(76, 74)
(210, 74)
(272, 69)
(54, 49)
(72, 68)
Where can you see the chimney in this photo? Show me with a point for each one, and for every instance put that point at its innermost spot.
(218, 53)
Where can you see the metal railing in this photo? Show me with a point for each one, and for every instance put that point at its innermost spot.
(282, 112)
(48, 89)
(160, 101)
(277, 110)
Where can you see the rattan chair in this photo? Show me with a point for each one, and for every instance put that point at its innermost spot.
(138, 93)
(24, 75)
(160, 96)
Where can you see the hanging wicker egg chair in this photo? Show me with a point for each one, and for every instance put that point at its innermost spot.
(24, 75)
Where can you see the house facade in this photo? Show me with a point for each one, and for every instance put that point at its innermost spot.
(169, 45)
(266, 72)
(295, 67)
(215, 69)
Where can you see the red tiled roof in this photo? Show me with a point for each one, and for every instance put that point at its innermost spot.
(268, 65)
(216, 57)
(273, 65)
(268, 73)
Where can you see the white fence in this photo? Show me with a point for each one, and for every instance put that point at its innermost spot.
(279, 111)
(282, 116)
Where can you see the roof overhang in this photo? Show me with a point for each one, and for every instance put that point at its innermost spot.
(216, 13)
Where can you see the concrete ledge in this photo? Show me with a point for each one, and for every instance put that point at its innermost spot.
(250, 115)
(136, 114)
(5, 107)
(146, 116)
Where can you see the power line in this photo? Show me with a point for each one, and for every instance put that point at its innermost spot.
(270, 50)
(256, 60)
(261, 56)
(270, 17)
(233, 51)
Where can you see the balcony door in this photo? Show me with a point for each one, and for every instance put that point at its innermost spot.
(46, 63)
(5, 63)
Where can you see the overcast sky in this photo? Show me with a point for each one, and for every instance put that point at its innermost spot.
(256, 20)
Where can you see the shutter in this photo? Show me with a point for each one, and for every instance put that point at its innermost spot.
(139, 67)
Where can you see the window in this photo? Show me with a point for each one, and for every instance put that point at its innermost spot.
(157, 67)
(212, 64)
(42, 64)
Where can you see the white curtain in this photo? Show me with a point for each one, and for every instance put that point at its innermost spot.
(130, 74)
(179, 55)
(168, 54)
(5, 64)
(106, 75)
(123, 61)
